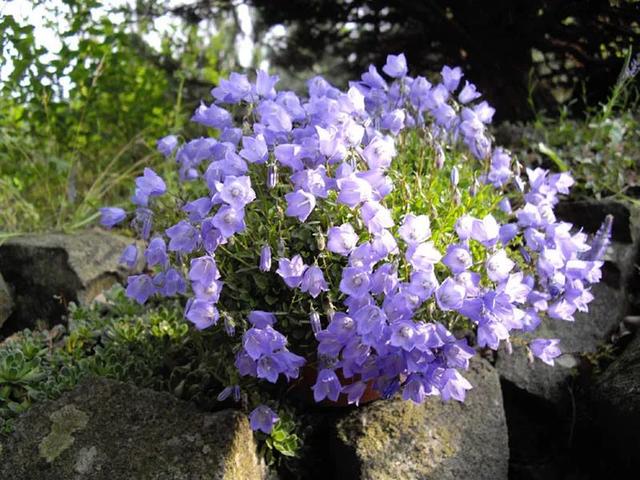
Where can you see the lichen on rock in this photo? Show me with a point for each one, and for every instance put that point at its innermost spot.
(66, 421)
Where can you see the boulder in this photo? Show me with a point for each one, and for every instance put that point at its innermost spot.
(615, 398)
(399, 439)
(590, 330)
(584, 336)
(6, 301)
(50, 270)
(110, 430)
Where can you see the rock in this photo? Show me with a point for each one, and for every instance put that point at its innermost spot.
(48, 271)
(399, 439)
(6, 301)
(585, 335)
(615, 396)
(590, 330)
(114, 431)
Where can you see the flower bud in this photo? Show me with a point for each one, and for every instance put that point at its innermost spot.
(457, 196)
(281, 247)
(265, 258)
(505, 205)
(439, 156)
(229, 327)
(320, 241)
(455, 176)
(272, 176)
(236, 393)
(508, 346)
(473, 191)
(316, 326)
(224, 394)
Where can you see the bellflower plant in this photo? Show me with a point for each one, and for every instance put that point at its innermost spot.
(396, 228)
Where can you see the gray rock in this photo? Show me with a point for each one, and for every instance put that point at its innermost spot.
(114, 431)
(6, 301)
(48, 271)
(590, 330)
(615, 397)
(585, 335)
(399, 439)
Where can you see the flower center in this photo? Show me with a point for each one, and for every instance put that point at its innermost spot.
(405, 332)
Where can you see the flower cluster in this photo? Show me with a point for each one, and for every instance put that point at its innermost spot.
(404, 272)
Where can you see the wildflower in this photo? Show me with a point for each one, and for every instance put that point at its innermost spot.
(450, 295)
(453, 385)
(204, 270)
(237, 191)
(111, 216)
(272, 176)
(415, 229)
(353, 191)
(261, 319)
(254, 149)
(183, 237)
(291, 271)
(396, 66)
(201, 312)
(327, 386)
(376, 217)
(156, 253)
(263, 419)
(354, 392)
(129, 256)
(499, 265)
(140, 288)
(342, 239)
(545, 350)
(265, 84)
(422, 256)
(300, 204)
(229, 221)
(233, 90)
(451, 77)
(170, 283)
(379, 152)
(468, 93)
(198, 209)
(314, 320)
(148, 185)
(355, 282)
(458, 258)
(313, 281)
(167, 145)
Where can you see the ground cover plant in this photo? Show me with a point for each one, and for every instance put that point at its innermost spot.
(601, 148)
(116, 339)
(399, 232)
(79, 114)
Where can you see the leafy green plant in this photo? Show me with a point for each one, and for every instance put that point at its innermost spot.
(283, 440)
(601, 150)
(117, 340)
(77, 124)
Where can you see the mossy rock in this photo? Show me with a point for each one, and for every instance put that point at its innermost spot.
(389, 440)
(114, 431)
